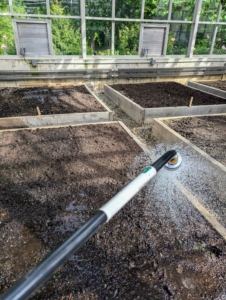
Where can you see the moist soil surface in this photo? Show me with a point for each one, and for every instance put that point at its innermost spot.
(219, 84)
(53, 180)
(165, 94)
(50, 100)
(207, 133)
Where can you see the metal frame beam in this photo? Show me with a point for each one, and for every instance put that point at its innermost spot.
(47, 7)
(113, 29)
(10, 6)
(83, 27)
(142, 9)
(141, 30)
(194, 29)
(170, 10)
(39, 16)
(215, 29)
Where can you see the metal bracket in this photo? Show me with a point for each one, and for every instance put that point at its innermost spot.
(115, 73)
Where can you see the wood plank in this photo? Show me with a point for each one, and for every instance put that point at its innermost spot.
(204, 212)
(32, 27)
(30, 32)
(30, 35)
(33, 46)
(38, 111)
(34, 41)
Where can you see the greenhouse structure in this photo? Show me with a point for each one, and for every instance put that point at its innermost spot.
(112, 149)
(68, 35)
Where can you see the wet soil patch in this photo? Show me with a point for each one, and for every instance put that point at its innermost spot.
(165, 94)
(207, 133)
(50, 100)
(219, 84)
(52, 180)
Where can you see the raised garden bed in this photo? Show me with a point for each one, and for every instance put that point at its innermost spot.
(44, 106)
(207, 133)
(216, 88)
(52, 180)
(145, 101)
(218, 84)
(202, 143)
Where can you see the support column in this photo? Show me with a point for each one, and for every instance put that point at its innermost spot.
(194, 28)
(215, 29)
(142, 9)
(83, 27)
(113, 28)
(47, 8)
(11, 6)
(170, 9)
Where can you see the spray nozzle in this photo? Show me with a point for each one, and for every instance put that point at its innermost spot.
(174, 162)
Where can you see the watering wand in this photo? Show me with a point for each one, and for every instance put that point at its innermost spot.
(28, 284)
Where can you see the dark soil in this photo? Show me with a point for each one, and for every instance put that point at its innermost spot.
(50, 100)
(219, 84)
(165, 94)
(207, 133)
(52, 180)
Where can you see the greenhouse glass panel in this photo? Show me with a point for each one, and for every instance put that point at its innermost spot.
(65, 7)
(98, 8)
(4, 6)
(127, 38)
(220, 42)
(130, 9)
(156, 10)
(98, 37)
(29, 6)
(183, 10)
(7, 40)
(66, 36)
(203, 39)
(223, 15)
(209, 10)
(178, 39)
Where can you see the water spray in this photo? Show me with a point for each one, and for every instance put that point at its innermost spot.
(28, 284)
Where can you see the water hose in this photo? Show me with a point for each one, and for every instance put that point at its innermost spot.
(28, 284)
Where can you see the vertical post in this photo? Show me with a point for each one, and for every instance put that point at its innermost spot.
(142, 10)
(47, 8)
(11, 7)
(49, 27)
(215, 29)
(170, 10)
(83, 27)
(141, 25)
(194, 28)
(113, 27)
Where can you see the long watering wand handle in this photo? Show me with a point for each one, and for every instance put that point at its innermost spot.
(28, 284)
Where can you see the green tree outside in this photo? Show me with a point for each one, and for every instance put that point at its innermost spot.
(7, 40)
(127, 38)
(66, 33)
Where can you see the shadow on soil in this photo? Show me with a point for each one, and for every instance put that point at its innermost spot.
(50, 100)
